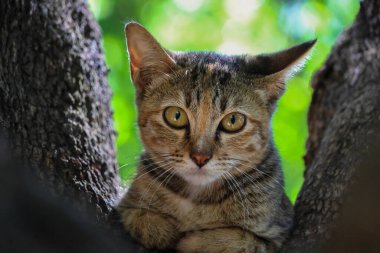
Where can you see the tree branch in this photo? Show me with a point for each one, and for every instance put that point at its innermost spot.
(345, 110)
(55, 99)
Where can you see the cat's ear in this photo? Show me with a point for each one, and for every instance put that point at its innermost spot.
(277, 67)
(148, 60)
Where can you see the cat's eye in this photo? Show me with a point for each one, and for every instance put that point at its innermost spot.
(176, 117)
(232, 122)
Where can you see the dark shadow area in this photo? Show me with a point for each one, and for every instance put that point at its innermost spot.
(358, 229)
(34, 220)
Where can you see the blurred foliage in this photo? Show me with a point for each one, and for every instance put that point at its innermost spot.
(228, 26)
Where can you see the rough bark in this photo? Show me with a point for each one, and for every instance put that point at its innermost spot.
(55, 99)
(344, 112)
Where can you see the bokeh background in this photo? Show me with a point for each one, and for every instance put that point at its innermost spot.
(231, 27)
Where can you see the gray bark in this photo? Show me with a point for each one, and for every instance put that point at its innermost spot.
(55, 99)
(344, 113)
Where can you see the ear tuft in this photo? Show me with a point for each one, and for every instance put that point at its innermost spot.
(286, 61)
(277, 67)
(148, 60)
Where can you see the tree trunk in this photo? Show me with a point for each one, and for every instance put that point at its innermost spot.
(344, 113)
(55, 99)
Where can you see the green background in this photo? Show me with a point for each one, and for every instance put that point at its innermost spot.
(227, 26)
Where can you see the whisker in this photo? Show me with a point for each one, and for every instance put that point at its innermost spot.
(145, 159)
(241, 192)
(273, 179)
(168, 176)
(152, 167)
(154, 180)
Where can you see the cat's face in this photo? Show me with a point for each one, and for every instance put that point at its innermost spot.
(203, 116)
(204, 121)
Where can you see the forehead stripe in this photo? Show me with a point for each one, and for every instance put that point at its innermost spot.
(223, 104)
(216, 95)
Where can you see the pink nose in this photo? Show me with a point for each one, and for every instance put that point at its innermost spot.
(200, 159)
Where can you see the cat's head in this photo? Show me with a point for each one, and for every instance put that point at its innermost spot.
(202, 115)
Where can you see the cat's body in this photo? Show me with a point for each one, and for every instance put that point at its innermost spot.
(210, 179)
(256, 204)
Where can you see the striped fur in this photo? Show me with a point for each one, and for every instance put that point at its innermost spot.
(234, 203)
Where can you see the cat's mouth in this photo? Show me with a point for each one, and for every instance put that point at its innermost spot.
(196, 176)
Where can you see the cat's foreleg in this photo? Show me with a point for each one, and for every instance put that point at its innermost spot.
(226, 240)
(151, 229)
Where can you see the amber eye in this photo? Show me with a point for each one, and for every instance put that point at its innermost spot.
(176, 117)
(232, 122)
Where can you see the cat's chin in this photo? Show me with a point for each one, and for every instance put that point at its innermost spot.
(199, 178)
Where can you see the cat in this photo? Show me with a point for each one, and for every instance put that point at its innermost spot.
(209, 179)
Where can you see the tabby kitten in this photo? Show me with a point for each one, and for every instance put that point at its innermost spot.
(209, 179)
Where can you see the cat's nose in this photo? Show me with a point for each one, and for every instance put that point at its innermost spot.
(200, 158)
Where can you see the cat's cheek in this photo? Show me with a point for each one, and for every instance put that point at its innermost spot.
(158, 137)
(255, 145)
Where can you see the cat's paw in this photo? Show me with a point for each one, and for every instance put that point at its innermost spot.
(150, 229)
(226, 240)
